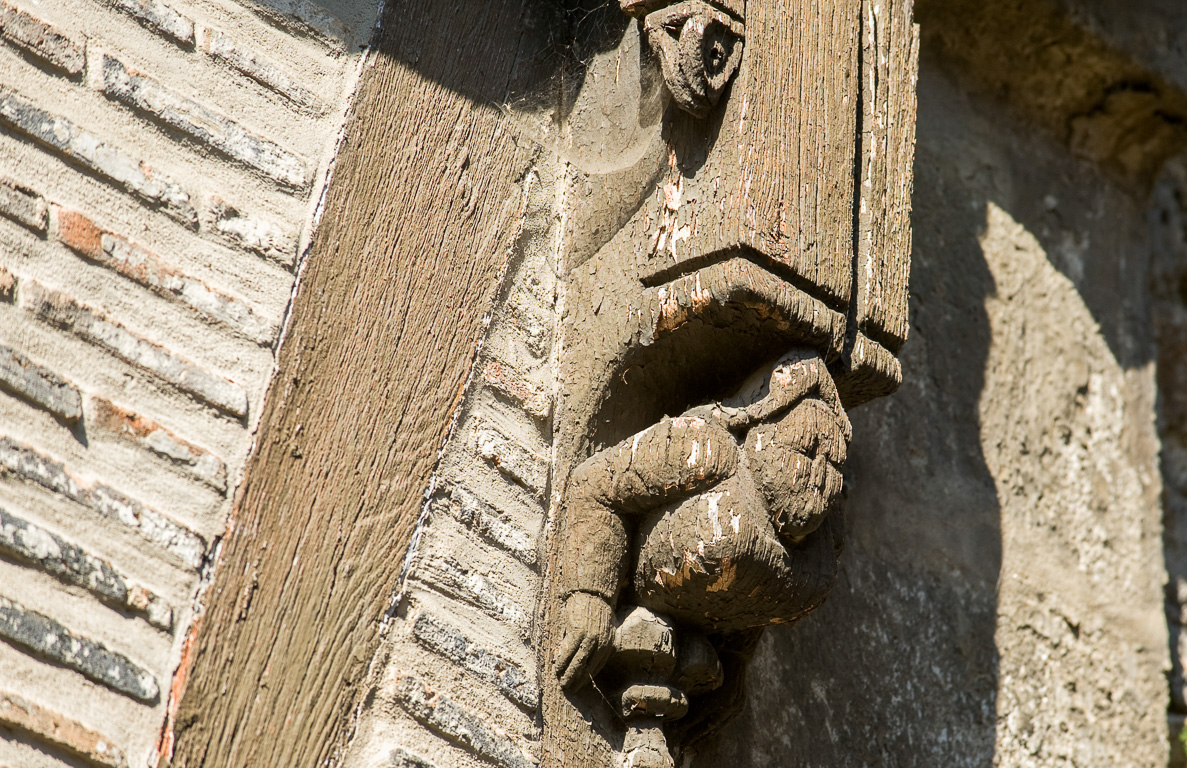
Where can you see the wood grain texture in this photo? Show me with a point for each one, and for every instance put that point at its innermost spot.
(421, 212)
(890, 47)
(770, 171)
(885, 156)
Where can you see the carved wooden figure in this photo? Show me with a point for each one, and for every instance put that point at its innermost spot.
(714, 343)
(626, 268)
(728, 508)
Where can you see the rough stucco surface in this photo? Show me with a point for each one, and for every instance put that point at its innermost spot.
(1169, 217)
(160, 168)
(1001, 600)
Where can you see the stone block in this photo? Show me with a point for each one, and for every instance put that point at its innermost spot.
(91, 325)
(253, 233)
(304, 18)
(85, 148)
(203, 124)
(402, 758)
(47, 638)
(439, 713)
(146, 433)
(148, 269)
(490, 524)
(507, 382)
(450, 577)
(513, 460)
(158, 17)
(71, 564)
(41, 41)
(531, 326)
(7, 286)
(511, 680)
(35, 467)
(39, 385)
(57, 730)
(259, 68)
(24, 206)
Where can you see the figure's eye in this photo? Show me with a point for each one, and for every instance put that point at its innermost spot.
(715, 58)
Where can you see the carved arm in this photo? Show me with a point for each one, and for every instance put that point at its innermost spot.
(670, 461)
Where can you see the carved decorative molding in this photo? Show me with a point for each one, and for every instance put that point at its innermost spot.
(699, 49)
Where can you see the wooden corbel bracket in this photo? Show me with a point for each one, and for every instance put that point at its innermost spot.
(685, 540)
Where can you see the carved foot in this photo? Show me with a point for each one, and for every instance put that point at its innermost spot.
(645, 745)
(643, 663)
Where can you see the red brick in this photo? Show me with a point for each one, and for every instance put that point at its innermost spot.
(59, 731)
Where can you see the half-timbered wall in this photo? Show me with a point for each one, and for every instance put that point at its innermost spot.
(161, 169)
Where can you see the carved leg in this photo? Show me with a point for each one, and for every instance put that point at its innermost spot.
(641, 670)
(650, 469)
(644, 745)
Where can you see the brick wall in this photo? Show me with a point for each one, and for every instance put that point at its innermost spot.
(160, 169)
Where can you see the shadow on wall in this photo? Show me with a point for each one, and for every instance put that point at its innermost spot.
(976, 493)
(899, 665)
(469, 46)
(1169, 220)
(525, 56)
(345, 24)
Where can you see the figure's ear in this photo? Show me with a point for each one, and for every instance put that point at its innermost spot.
(780, 384)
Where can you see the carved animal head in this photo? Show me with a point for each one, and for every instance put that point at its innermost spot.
(699, 48)
(797, 448)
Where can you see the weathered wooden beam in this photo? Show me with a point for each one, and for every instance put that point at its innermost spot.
(420, 212)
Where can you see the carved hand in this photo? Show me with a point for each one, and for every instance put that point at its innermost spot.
(586, 640)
